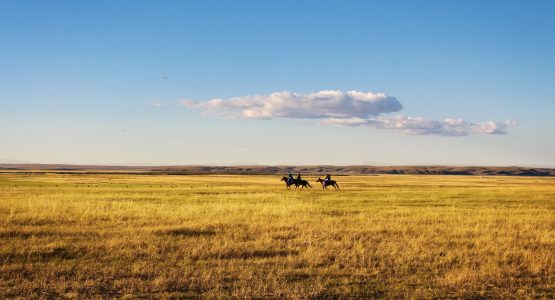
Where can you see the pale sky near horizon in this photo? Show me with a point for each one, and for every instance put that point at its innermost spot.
(278, 82)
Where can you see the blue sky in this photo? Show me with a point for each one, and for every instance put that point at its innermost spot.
(108, 82)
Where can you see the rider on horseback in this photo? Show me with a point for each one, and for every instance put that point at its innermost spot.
(328, 178)
(290, 178)
(299, 176)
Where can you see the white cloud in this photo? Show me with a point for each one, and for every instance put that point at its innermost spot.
(156, 104)
(421, 126)
(351, 108)
(323, 104)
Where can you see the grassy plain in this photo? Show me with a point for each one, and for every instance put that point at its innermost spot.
(137, 236)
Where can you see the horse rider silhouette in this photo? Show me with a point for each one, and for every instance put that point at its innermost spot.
(328, 178)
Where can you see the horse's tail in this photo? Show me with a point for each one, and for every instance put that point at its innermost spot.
(308, 183)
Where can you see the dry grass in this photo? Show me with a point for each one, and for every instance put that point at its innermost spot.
(86, 236)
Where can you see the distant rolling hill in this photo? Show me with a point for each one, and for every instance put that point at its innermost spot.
(274, 170)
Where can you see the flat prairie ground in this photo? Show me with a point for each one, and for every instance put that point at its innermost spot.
(391, 236)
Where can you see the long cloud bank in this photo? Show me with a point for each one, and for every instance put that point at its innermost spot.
(323, 104)
(350, 108)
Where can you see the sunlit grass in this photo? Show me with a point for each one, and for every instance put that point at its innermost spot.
(83, 236)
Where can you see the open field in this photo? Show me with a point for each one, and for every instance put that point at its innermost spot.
(83, 236)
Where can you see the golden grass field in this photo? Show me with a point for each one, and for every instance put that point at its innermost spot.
(156, 236)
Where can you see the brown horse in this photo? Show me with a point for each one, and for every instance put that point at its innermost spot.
(296, 182)
(326, 183)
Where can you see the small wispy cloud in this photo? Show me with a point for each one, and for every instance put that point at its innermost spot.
(156, 104)
(421, 126)
(350, 108)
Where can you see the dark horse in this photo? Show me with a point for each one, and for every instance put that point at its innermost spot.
(327, 183)
(296, 182)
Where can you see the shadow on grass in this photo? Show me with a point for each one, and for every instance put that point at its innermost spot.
(62, 253)
(252, 254)
(185, 232)
(26, 233)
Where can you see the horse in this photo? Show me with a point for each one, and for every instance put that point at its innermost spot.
(327, 183)
(286, 180)
(303, 183)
